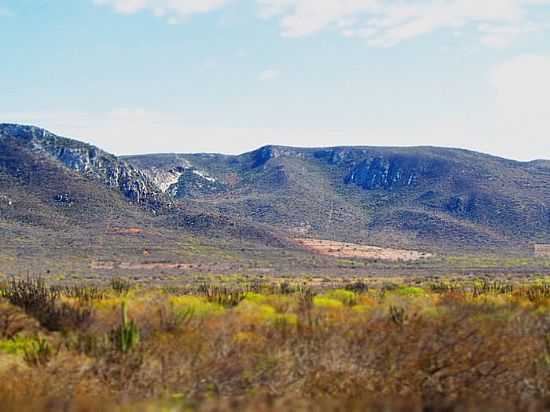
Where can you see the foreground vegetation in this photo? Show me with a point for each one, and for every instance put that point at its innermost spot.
(272, 345)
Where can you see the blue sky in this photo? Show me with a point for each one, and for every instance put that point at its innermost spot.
(135, 76)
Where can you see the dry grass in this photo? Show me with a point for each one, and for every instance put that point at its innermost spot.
(457, 346)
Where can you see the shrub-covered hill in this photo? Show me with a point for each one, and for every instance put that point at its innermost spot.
(59, 195)
(427, 198)
(417, 197)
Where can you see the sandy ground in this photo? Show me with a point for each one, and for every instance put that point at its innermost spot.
(352, 250)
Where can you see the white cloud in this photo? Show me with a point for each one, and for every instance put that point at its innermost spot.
(172, 10)
(523, 103)
(387, 22)
(382, 23)
(503, 36)
(269, 74)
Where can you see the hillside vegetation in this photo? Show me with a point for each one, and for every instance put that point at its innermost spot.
(62, 200)
(233, 343)
(426, 197)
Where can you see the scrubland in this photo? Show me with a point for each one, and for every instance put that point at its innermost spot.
(269, 345)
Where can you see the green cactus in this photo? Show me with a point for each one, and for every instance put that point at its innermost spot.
(126, 337)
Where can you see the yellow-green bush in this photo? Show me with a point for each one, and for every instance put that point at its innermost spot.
(347, 297)
(16, 346)
(327, 303)
(409, 291)
(198, 305)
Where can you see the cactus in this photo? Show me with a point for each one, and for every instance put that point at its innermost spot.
(486, 287)
(398, 315)
(222, 296)
(538, 294)
(126, 337)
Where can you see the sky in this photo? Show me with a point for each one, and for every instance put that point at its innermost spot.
(229, 76)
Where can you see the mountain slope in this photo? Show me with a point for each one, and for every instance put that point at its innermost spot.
(43, 148)
(416, 197)
(426, 197)
(60, 197)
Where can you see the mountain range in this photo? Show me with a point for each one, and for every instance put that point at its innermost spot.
(70, 194)
(417, 197)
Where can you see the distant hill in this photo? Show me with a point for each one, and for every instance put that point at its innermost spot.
(541, 163)
(60, 196)
(47, 180)
(429, 197)
(435, 199)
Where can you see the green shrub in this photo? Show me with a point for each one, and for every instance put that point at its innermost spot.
(38, 352)
(14, 346)
(35, 351)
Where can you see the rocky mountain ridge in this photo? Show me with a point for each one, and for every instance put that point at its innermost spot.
(416, 196)
(51, 184)
(88, 160)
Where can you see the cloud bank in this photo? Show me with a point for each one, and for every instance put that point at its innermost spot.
(172, 10)
(383, 23)
(387, 22)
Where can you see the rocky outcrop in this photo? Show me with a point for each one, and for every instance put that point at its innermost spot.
(368, 168)
(264, 154)
(90, 162)
(380, 173)
(166, 180)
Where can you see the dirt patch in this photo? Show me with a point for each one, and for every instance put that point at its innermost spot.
(542, 250)
(127, 231)
(139, 266)
(103, 265)
(352, 250)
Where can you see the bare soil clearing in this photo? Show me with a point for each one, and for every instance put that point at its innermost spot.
(127, 231)
(352, 250)
(148, 266)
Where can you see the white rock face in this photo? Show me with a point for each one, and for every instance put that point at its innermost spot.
(164, 179)
(87, 160)
(204, 175)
